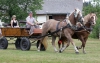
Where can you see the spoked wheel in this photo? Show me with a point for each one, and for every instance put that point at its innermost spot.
(17, 43)
(25, 44)
(42, 46)
(3, 43)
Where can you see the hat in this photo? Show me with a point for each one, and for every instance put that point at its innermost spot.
(14, 16)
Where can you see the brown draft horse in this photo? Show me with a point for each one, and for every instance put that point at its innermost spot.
(51, 25)
(82, 35)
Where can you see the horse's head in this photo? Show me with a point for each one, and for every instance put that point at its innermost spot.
(78, 15)
(92, 19)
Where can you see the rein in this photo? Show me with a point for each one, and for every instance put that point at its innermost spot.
(91, 27)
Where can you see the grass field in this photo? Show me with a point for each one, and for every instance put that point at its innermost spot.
(11, 55)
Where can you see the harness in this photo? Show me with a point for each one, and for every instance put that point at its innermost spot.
(73, 27)
(57, 27)
(54, 31)
(62, 28)
(89, 29)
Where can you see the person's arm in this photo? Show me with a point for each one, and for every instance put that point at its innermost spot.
(17, 24)
(36, 22)
(28, 22)
(11, 23)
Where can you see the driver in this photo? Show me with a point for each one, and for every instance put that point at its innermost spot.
(31, 23)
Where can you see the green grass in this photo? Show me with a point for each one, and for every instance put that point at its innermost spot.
(11, 55)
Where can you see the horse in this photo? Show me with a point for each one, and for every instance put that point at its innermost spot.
(82, 35)
(51, 26)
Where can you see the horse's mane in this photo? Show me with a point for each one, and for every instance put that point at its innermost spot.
(73, 11)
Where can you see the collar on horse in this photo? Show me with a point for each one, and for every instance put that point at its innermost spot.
(91, 27)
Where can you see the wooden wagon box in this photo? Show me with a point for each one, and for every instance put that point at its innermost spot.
(19, 32)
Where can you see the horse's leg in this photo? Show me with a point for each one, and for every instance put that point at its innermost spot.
(44, 33)
(84, 45)
(83, 40)
(76, 50)
(65, 44)
(65, 41)
(53, 43)
(45, 30)
(68, 36)
(61, 43)
(40, 44)
(68, 42)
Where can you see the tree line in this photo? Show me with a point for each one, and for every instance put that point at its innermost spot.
(20, 8)
(90, 8)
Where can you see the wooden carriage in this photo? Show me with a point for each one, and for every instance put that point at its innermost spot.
(22, 42)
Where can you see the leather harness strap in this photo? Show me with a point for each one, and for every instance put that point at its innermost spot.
(57, 27)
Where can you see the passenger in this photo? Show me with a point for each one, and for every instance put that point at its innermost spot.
(14, 22)
(31, 23)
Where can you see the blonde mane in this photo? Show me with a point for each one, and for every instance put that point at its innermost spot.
(74, 11)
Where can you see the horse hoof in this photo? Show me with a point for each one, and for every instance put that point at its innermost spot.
(77, 52)
(77, 47)
(60, 51)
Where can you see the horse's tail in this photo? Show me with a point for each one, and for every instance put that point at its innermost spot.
(44, 42)
(46, 27)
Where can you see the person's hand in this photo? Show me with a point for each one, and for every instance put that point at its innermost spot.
(16, 26)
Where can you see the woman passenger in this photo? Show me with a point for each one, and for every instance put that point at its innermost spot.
(14, 22)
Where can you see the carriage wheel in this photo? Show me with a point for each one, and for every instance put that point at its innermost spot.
(42, 46)
(25, 44)
(3, 43)
(17, 43)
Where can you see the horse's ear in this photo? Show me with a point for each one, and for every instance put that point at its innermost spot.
(90, 15)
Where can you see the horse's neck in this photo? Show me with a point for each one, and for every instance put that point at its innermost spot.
(72, 19)
(87, 25)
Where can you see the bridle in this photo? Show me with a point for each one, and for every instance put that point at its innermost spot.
(91, 25)
(79, 18)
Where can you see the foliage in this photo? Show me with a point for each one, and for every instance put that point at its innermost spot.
(93, 9)
(18, 8)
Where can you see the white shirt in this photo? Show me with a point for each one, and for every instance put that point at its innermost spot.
(30, 19)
